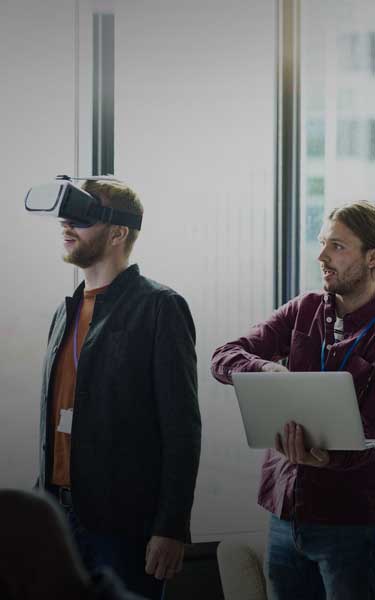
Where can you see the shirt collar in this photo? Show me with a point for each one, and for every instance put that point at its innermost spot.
(359, 316)
(114, 288)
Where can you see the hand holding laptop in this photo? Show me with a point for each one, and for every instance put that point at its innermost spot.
(292, 445)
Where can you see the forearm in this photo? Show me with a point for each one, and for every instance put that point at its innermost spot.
(233, 358)
(267, 342)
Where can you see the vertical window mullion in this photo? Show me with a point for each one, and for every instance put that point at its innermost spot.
(103, 94)
(287, 234)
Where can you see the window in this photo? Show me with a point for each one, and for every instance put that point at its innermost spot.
(338, 132)
(315, 137)
(371, 139)
(348, 138)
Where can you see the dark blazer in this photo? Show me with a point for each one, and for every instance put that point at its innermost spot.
(136, 431)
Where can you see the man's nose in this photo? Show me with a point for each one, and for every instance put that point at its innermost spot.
(323, 256)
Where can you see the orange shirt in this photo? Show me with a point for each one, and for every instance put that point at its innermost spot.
(63, 389)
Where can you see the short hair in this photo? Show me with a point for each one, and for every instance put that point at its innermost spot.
(359, 217)
(119, 196)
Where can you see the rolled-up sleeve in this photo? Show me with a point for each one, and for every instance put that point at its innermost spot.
(265, 342)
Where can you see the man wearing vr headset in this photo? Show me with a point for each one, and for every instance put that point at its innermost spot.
(120, 422)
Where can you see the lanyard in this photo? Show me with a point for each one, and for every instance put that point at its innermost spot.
(349, 351)
(75, 337)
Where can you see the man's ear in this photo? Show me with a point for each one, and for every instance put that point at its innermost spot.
(371, 258)
(119, 234)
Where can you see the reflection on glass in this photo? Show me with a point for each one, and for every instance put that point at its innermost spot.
(337, 116)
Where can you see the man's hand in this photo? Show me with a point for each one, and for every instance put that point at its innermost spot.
(274, 367)
(164, 557)
(292, 445)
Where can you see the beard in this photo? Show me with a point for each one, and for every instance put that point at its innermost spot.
(351, 281)
(85, 254)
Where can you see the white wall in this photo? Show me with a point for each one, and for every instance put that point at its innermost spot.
(194, 111)
(37, 142)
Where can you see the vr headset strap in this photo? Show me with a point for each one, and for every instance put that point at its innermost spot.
(106, 214)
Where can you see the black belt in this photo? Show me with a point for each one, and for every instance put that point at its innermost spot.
(63, 495)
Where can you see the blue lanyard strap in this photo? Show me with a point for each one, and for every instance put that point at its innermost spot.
(349, 351)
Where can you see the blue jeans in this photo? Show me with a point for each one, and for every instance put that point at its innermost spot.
(319, 562)
(126, 556)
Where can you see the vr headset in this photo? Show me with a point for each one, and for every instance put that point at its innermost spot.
(64, 200)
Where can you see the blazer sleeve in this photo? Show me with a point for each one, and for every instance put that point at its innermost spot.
(175, 381)
(36, 485)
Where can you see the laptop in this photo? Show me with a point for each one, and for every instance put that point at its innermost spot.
(325, 403)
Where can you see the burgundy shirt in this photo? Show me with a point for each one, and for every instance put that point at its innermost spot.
(344, 491)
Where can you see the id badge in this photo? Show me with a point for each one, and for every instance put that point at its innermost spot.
(66, 419)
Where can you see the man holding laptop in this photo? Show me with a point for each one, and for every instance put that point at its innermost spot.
(322, 532)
